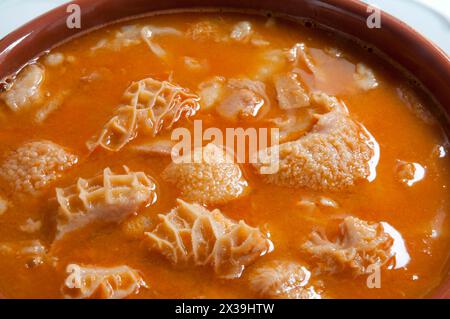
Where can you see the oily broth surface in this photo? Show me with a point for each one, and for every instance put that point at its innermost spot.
(414, 211)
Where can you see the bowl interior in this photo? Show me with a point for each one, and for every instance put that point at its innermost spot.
(402, 45)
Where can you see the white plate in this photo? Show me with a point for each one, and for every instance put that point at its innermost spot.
(430, 17)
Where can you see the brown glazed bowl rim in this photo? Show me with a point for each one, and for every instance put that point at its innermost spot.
(400, 43)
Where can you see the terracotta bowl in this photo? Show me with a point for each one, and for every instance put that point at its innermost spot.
(405, 47)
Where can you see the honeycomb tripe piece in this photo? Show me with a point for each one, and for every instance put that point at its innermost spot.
(282, 280)
(149, 107)
(358, 245)
(34, 165)
(336, 154)
(85, 282)
(209, 176)
(26, 88)
(191, 234)
(107, 197)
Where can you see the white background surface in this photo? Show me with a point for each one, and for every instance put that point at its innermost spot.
(430, 17)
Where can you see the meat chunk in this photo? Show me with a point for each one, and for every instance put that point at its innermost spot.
(282, 279)
(207, 30)
(126, 36)
(107, 197)
(85, 282)
(211, 91)
(327, 102)
(336, 154)
(244, 99)
(330, 70)
(26, 88)
(294, 124)
(359, 245)
(240, 99)
(34, 165)
(312, 203)
(149, 105)
(192, 234)
(290, 92)
(365, 78)
(54, 59)
(209, 176)
(241, 31)
(409, 173)
(213, 30)
(300, 55)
